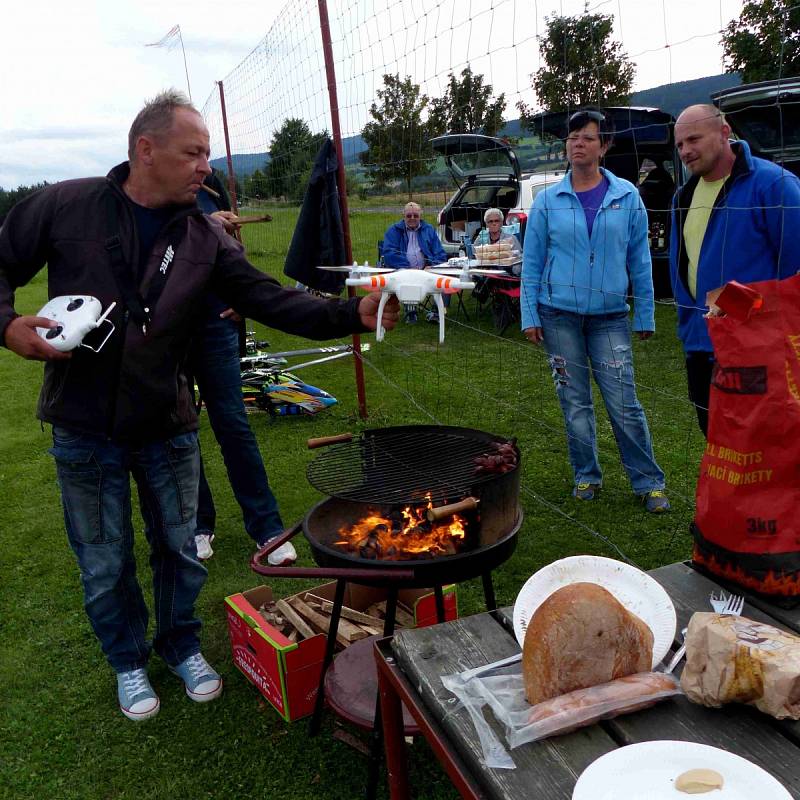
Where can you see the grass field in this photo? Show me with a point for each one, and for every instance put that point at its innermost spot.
(62, 734)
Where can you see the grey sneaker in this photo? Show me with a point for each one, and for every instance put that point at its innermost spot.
(586, 491)
(203, 543)
(655, 502)
(202, 681)
(137, 700)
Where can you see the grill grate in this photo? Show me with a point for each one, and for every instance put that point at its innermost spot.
(403, 465)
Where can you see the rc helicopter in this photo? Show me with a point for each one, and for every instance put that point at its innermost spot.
(412, 286)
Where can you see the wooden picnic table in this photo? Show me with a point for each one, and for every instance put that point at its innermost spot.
(411, 663)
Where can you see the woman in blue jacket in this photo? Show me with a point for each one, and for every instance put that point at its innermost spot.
(586, 238)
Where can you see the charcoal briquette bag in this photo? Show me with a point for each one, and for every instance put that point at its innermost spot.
(747, 521)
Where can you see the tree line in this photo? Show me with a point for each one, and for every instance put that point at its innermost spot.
(581, 65)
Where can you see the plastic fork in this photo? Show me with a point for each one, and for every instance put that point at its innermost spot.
(731, 605)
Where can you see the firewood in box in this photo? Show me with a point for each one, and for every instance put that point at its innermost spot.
(302, 627)
(377, 610)
(346, 634)
(372, 625)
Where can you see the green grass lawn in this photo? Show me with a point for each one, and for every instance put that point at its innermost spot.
(62, 734)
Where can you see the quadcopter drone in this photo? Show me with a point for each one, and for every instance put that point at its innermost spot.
(412, 286)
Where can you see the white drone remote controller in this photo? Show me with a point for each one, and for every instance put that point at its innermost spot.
(76, 316)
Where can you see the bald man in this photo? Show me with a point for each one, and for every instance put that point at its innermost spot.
(736, 218)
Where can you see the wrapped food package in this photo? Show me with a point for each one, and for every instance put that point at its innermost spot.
(498, 254)
(735, 659)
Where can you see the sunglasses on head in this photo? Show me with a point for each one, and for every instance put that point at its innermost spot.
(593, 116)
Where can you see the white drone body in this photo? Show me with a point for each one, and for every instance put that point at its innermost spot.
(76, 316)
(412, 286)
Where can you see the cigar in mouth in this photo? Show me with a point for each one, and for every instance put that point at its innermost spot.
(210, 191)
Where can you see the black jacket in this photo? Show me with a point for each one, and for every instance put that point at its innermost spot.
(135, 388)
(318, 235)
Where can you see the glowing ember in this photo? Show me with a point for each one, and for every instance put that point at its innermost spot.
(402, 536)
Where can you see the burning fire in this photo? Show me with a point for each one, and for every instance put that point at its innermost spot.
(404, 535)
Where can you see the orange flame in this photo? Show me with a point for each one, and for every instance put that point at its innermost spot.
(412, 537)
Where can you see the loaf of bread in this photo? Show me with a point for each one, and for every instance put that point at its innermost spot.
(581, 636)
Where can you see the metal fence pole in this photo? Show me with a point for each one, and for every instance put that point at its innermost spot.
(330, 73)
(231, 174)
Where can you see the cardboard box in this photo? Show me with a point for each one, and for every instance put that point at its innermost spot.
(287, 673)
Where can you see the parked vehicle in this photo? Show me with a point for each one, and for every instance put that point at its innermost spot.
(488, 173)
(767, 116)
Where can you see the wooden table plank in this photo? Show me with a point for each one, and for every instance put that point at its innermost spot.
(546, 770)
(690, 591)
(736, 728)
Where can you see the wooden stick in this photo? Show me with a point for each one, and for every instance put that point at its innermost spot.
(248, 220)
(347, 633)
(442, 512)
(303, 628)
(210, 191)
(351, 614)
(323, 441)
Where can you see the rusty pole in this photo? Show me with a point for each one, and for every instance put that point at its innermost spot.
(231, 175)
(330, 73)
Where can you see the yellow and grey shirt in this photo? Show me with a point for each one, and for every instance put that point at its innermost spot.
(694, 229)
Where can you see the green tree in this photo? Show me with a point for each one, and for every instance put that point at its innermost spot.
(292, 152)
(583, 65)
(397, 138)
(255, 186)
(764, 42)
(10, 197)
(467, 107)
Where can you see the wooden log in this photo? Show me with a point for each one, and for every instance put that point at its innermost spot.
(346, 634)
(350, 613)
(302, 627)
(351, 632)
(404, 619)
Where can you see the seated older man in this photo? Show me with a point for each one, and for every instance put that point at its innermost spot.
(413, 244)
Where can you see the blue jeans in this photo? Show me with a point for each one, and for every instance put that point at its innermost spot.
(575, 343)
(94, 477)
(215, 362)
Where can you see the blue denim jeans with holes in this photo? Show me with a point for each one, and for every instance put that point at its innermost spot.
(215, 361)
(600, 344)
(94, 477)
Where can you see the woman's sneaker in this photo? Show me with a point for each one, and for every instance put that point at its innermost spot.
(655, 502)
(137, 700)
(202, 681)
(586, 491)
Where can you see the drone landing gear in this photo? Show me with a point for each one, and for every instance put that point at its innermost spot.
(440, 306)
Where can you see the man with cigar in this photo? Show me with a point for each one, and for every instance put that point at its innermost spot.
(137, 238)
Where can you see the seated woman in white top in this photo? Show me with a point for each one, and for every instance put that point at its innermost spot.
(493, 233)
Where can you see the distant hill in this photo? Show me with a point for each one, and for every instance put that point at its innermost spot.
(671, 97)
(243, 163)
(674, 97)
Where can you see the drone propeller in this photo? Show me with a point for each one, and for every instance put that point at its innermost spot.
(366, 269)
(468, 270)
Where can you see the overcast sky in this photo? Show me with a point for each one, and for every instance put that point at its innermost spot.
(75, 74)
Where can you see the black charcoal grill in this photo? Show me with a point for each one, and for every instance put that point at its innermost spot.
(383, 469)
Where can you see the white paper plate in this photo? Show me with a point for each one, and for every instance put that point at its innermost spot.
(636, 590)
(648, 770)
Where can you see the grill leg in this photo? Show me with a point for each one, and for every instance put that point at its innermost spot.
(319, 706)
(376, 745)
(488, 591)
(439, 597)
